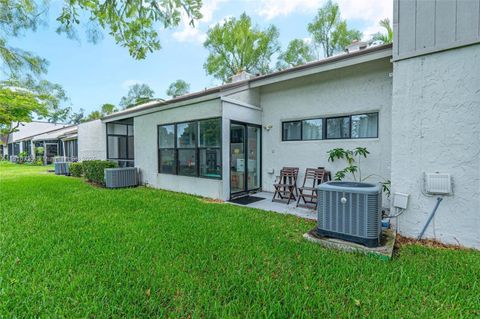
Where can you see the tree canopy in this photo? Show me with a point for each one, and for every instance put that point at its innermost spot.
(330, 32)
(20, 101)
(137, 93)
(108, 108)
(298, 52)
(94, 115)
(77, 117)
(384, 37)
(178, 88)
(236, 45)
(133, 24)
(16, 17)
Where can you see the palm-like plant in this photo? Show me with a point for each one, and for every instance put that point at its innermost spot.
(353, 159)
(385, 38)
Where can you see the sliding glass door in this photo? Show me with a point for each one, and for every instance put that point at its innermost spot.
(245, 158)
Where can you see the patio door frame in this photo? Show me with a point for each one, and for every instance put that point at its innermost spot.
(245, 190)
(45, 146)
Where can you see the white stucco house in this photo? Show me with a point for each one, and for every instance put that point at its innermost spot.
(57, 139)
(415, 105)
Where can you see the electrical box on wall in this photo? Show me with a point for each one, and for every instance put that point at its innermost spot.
(438, 183)
(400, 200)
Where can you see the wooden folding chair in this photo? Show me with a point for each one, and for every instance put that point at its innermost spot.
(286, 185)
(308, 192)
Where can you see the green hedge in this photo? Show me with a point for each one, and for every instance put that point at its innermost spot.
(93, 170)
(76, 169)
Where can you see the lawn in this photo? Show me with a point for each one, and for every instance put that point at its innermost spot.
(69, 249)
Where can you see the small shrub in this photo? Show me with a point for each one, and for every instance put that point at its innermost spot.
(353, 159)
(93, 170)
(76, 169)
(39, 151)
(22, 157)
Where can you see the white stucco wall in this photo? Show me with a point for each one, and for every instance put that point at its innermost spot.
(363, 88)
(146, 149)
(92, 141)
(436, 128)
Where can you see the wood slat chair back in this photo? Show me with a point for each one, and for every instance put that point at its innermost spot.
(308, 191)
(286, 185)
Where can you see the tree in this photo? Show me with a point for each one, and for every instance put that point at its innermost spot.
(298, 52)
(329, 32)
(237, 46)
(16, 17)
(137, 93)
(108, 108)
(133, 24)
(178, 88)
(77, 117)
(18, 105)
(94, 115)
(49, 95)
(385, 38)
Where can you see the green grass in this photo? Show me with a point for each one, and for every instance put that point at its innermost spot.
(68, 249)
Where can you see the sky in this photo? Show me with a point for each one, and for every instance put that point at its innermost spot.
(94, 74)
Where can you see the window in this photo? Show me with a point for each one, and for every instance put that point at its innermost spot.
(16, 148)
(312, 129)
(186, 133)
(167, 161)
(365, 125)
(303, 130)
(120, 143)
(187, 162)
(71, 148)
(338, 127)
(209, 143)
(27, 147)
(117, 129)
(166, 136)
(292, 131)
(342, 127)
(191, 148)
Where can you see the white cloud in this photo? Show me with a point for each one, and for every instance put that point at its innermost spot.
(190, 33)
(366, 11)
(370, 11)
(270, 9)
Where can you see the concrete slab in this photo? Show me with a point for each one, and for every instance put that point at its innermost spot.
(384, 252)
(280, 207)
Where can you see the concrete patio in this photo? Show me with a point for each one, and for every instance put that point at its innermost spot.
(279, 207)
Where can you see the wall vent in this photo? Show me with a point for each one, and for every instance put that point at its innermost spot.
(438, 183)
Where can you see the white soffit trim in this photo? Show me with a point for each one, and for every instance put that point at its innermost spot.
(160, 108)
(240, 103)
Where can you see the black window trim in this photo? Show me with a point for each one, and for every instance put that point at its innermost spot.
(197, 148)
(121, 159)
(339, 117)
(301, 131)
(325, 129)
